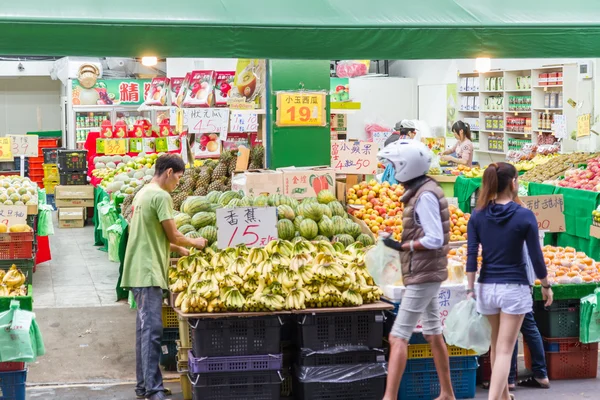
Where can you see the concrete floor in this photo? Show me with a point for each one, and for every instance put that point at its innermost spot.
(89, 337)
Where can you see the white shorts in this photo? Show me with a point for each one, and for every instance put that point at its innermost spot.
(493, 298)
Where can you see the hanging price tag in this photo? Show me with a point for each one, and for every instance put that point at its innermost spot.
(354, 157)
(242, 122)
(5, 149)
(24, 145)
(205, 120)
(301, 109)
(252, 226)
(115, 146)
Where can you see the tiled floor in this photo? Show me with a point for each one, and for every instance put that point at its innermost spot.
(79, 274)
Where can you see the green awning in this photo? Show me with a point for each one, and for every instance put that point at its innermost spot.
(309, 29)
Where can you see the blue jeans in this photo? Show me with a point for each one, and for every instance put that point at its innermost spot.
(148, 336)
(532, 337)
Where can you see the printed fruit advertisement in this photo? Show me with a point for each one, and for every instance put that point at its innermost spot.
(109, 92)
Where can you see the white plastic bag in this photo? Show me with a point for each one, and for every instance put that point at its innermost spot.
(383, 264)
(467, 329)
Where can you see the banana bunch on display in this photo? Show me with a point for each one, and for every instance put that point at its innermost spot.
(281, 276)
(14, 278)
(6, 291)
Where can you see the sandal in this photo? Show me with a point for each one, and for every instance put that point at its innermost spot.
(534, 383)
(166, 391)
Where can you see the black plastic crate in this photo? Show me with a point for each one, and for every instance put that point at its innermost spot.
(366, 389)
(72, 160)
(307, 359)
(168, 355)
(236, 336)
(73, 178)
(51, 155)
(323, 331)
(560, 320)
(255, 385)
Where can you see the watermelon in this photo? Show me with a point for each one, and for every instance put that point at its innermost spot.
(233, 203)
(298, 220)
(308, 229)
(213, 196)
(227, 196)
(274, 199)
(339, 224)
(326, 210)
(285, 211)
(214, 207)
(345, 239)
(193, 235)
(326, 227)
(246, 201)
(313, 211)
(186, 229)
(182, 219)
(337, 208)
(202, 219)
(195, 204)
(319, 238)
(286, 200)
(325, 197)
(286, 229)
(261, 201)
(209, 233)
(352, 229)
(365, 239)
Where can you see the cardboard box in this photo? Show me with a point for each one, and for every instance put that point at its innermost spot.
(258, 181)
(74, 196)
(71, 217)
(307, 181)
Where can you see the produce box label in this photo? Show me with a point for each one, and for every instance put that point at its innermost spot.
(24, 145)
(356, 157)
(548, 210)
(100, 146)
(307, 182)
(252, 226)
(173, 143)
(379, 138)
(115, 146)
(13, 215)
(258, 182)
(448, 297)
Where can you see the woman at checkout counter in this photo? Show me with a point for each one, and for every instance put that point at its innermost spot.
(462, 151)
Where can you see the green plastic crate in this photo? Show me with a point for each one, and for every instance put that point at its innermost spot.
(47, 134)
(26, 266)
(26, 301)
(567, 292)
(560, 320)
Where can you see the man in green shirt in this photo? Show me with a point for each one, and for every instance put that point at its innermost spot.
(152, 236)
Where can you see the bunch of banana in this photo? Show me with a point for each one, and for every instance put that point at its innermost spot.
(288, 279)
(323, 248)
(370, 294)
(172, 274)
(241, 250)
(193, 304)
(296, 299)
(265, 268)
(220, 259)
(306, 273)
(14, 277)
(300, 260)
(272, 302)
(352, 297)
(215, 306)
(303, 247)
(208, 289)
(20, 291)
(231, 280)
(251, 272)
(250, 286)
(257, 255)
(239, 266)
(282, 247)
(280, 260)
(181, 283)
(232, 298)
(274, 288)
(329, 271)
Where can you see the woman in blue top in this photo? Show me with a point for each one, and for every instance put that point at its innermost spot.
(502, 228)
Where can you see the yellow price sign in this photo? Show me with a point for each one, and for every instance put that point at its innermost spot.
(301, 109)
(115, 146)
(6, 149)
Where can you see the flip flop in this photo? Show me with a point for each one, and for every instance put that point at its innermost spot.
(167, 392)
(533, 383)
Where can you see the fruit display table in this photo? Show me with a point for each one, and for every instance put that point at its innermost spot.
(463, 191)
(446, 182)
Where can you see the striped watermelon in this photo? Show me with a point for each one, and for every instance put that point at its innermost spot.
(325, 196)
(261, 201)
(213, 196)
(326, 227)
(365, 239)
(339, 224)
(352, 229)
(286, 229)
(227, 196)
(313, 211)
(319, 238)
(285, 211)
(209, 233)
(345, 239)
(186, 229)
(337, 208)
(298, 220)
(308, 229)
(202, 219)
(182, 219)
(326, 210)
(193, 235)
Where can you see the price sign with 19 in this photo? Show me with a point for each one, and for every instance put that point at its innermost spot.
(252, 226)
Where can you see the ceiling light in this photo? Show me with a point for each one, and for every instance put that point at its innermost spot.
(483, 64)
(149, 61)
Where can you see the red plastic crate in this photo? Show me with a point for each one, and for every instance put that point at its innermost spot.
(36, 175)
(574, 360)
(36, 160)
(11, 366)
(47, 142)
(16, 245)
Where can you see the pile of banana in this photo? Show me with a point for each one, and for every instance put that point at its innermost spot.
(282, 276)
(13, 282)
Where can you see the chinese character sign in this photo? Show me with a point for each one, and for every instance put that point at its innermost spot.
(205, 120)
(13, 215)
(24, 145)
(109, 92)
(252, 226)
(242, 122)
(301, 109)
(356, 157)
(379, 138)
(548, 210)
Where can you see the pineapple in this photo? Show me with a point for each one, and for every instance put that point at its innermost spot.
(204, 178)
(178, 199)
(216, 185)
(232, 163)
(223, 166)
(257, 155)
(201, 191)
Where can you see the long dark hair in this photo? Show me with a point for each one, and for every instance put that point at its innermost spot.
(461, 126)
(496, 178)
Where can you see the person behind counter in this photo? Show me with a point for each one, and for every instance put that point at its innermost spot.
(405, 129)
(462, 151)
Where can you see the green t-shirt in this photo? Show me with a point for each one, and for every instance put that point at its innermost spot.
(147, 255)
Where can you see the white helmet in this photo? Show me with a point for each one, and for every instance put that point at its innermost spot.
(410, 159)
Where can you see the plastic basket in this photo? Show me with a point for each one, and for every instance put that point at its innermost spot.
(50, 200)
(366, 389)
(169, 317)
(327, 330)
(50, 171)
(186, 386)
(51, 155)
(236, 336)
(420, 380)
(18, 245)
(47, 142)
(73, 178)
(342, 358)
(254, 385)
(35, 174)
(50, 185)
(560, 320)
(575, 361)
(424, 351)
(72, 160)
(12, 385)
(567, 291)
(232, 364)
(168, 355)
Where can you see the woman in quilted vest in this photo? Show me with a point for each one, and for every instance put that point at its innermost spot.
(423, 255)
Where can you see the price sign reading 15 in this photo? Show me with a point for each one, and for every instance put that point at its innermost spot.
(301, 109)
(252, 226)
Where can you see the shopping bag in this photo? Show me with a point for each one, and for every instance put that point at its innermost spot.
(589, 327)
(467, 329)
(45, 225)
(114, 238)
(15, 339)
(383, 264)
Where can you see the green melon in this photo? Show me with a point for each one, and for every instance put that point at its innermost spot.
(286, 229)
(309, 200)
(286, 200)
(209, 233)
(326, 227)
(233, 203)
(298, 220)
(325, 197)
(227, 196)
(193, 235)
(261, 201)
(202, 219)
(274, 199)
(285, 211)
(182, 219)
(213, 196)
(337, 208)
(339, 224)
(352, 229)
(345, 239)
(194, 204)
(308, 229)
(313, 211)
(326, 210)
(319, 238)
(246, 201)
(365, 239)
(186, 229)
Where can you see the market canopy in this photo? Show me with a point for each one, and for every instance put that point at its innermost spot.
(309, 29)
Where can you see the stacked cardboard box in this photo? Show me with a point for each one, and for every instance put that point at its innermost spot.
(71, 202)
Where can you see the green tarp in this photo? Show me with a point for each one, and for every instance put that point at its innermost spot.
(310, 29)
